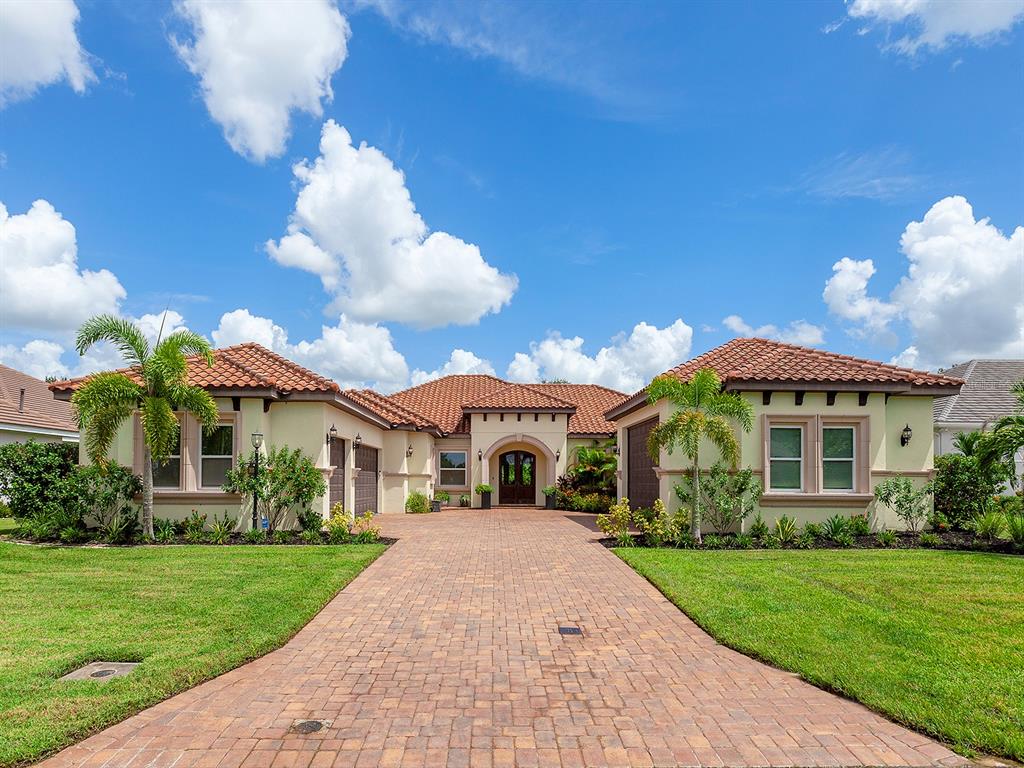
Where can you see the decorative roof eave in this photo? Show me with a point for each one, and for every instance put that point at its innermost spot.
(518, 409)
(591, 435)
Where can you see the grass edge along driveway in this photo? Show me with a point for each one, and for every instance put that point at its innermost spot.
(188, 613)
(932, 640)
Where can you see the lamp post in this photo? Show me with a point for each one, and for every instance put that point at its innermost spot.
(257, 443)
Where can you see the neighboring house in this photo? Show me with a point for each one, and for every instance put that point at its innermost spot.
(827, 429)
(374, 449)
(29, 412)
(984, 398)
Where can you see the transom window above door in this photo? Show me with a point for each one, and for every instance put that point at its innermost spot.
(452, 468)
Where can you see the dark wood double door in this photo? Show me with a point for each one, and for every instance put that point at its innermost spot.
(517, 478)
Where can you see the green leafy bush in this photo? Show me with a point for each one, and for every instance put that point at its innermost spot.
(1015, 527)
(464, 500)
(122, 528)
(616, 521)
(727, 498)
(658, 528)
(193, 527)
(743, 541)
(860, 526)
(443, 496)
(255, 536)
(549, 490)
(417, 503)
(41, 486)
(989, 525)
(312, 536)
(835, 527)
(785, 530)
(590, 502)
(286, 481)
(164, 530)
(282, 537)
(813, 530)
(759, 528)
(911, 504)
(309, 520)
(714, 541)
(483, 488)
(961, 489)
(843, 540)
(929, 539)
(804, 541)
(363, 529)
(220, 530)
(886, 538)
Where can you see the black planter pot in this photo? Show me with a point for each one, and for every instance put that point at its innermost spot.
(485, 500)
(549, 502)
(435, 505)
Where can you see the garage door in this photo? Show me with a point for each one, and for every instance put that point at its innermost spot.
(366, 480)
(641, 482)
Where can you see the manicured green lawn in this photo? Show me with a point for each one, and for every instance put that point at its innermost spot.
(934, 640)
(188, 613)
(7, 524)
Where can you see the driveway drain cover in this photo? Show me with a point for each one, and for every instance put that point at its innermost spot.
(306, 727)
(102, 671)
(570, 631)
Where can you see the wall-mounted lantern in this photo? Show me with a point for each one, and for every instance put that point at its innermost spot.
(480, 455)
(332, 434)
(558, 454)
(906, 434)
(358, 441)
(408, 451)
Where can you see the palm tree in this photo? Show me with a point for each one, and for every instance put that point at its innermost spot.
(105, 400)
(1006, 440)
(594, 467)
(703, 411)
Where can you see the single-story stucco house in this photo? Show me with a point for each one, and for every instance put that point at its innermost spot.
(374, 449)
(875, 421)
(28, 411)
(985, 397)
(827, 429)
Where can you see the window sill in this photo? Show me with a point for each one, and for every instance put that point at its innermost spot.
(175, 496)
(779, 499)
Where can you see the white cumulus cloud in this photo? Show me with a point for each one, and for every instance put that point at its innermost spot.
(460, 361)
(936, 24)
(352, 353)
(39, 358)
(41, 283)
(356, 227)
(963, 293)
(628, 363)
(40, 47)
(258, 61)
(797, 332)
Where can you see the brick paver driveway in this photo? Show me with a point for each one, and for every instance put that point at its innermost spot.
(446, 652)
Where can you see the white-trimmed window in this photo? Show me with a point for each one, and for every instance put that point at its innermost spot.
(785, 457)
(167, 474)
(452, 468)
(837, 458)
(216, 456)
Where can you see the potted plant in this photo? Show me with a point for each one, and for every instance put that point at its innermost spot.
(485, 491)
(549, 496)
(440, 497)
(464, 500)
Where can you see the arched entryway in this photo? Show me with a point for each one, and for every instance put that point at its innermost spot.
(517, 478)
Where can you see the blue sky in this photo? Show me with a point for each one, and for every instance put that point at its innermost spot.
(631, 175)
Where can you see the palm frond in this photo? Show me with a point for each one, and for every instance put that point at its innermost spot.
(101, 405)
(123, 334)
(159, 427)
(664, 388)
(196, 401)
(186, 343)
(704, 387)
(722, 436)
(733, 406)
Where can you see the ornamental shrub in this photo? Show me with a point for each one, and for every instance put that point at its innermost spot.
(616, 521)
(108, 492)
(287, 481)
(910, 504)
(962, 491)
(590, 502)
(39, 482)
(417, 503)
(363, 529)
(727, 498)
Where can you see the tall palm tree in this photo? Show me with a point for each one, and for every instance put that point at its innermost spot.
(1006, 440)
(703, 411)
(105, 400)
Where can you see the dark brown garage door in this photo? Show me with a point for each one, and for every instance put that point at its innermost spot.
(641, 482)
(366, 480)
(336, 484)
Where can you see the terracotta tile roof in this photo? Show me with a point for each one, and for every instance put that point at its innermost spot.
(387, 409)
(243, 366)
(519, 396)
(591, 401)
(762, 361)
(442, 401)
(40, 409)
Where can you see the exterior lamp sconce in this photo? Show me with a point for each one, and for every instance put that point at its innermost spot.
(358, 441)
(332, 434)
(615, 449)
(480, 455)
(558, 454)
(906, 434)
(408, 451)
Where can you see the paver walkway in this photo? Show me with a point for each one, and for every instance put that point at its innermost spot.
(445, 651)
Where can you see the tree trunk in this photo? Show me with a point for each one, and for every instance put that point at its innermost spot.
(147, 493)
(695, 517)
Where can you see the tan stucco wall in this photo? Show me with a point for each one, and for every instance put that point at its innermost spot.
(885, 456)
(542, 436)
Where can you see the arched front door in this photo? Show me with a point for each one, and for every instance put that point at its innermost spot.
(517, 478)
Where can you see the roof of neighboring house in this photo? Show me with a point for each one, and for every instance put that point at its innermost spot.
(444, 400)
(241, 367)
(985, 395)
(39, 410)
(753, 363)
